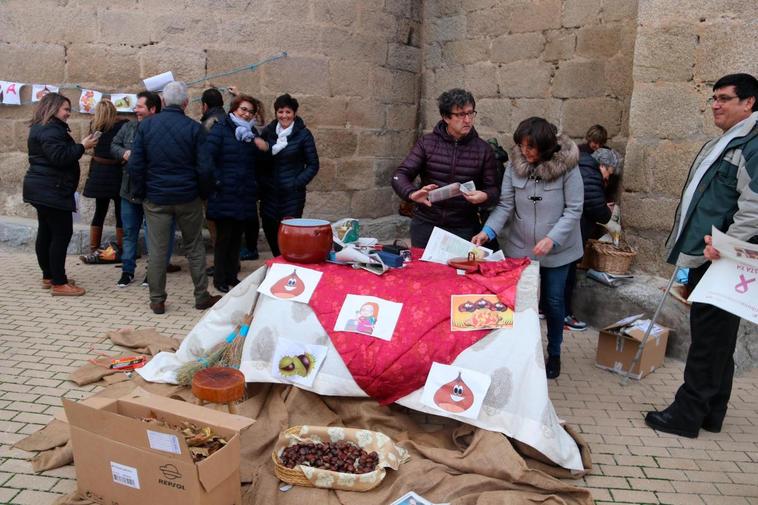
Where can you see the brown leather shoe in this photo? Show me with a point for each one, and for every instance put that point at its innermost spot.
(66, 290)
(48, 283)
(158, 308)
(210, 302)
(171, 268)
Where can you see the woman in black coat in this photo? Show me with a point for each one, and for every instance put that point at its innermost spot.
(234, 146)
(49, 185)
(292, 165)
(104, 179)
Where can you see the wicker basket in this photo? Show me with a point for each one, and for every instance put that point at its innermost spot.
(290, 475)
(588, 260)
(611, 259)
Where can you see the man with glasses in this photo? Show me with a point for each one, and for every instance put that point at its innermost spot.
(451, 153)
(721, 192)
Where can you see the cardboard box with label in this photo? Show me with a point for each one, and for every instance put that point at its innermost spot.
(121, 459)
(617, 345)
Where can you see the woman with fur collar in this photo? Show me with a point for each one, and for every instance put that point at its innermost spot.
(541, 205)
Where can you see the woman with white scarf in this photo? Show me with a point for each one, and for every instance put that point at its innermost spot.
(235, 147)
(292, 164)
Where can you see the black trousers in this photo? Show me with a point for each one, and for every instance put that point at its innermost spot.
(709, 369)
(271, 230)
(54, 231)
(101, 210)
(252, 228)
(226, 252)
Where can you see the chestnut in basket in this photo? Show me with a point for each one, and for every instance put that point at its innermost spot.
(338, 456)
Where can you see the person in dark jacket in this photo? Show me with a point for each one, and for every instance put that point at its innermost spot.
(49, 186)
(104, 178)
(170, 171)
(292, 165)
(453, 152)
(233, 145)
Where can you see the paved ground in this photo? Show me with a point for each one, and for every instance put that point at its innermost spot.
(42, 339)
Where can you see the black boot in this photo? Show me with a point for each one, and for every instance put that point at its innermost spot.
(553, 367)
(671, 421)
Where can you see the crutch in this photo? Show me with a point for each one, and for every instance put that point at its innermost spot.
(650, 326)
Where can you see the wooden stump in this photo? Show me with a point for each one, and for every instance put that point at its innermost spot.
(219, 385)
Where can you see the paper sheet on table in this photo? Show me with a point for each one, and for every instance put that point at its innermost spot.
(443, 246)
(731, 283)
(158, 82)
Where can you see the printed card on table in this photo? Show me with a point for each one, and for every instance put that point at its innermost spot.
(479, 312)
(444, 246)
(40, 90)
(411, 498)
(368, 315)
(88, 99)
(124, 102)
(288, 282)
(11, 93)
(297, 362)
(455, 390)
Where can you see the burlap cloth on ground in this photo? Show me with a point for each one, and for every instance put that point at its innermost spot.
(458, 463)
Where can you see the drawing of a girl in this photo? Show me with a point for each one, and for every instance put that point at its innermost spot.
(365, 320)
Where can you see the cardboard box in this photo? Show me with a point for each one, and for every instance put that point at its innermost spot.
(122, 460)
(617, 345)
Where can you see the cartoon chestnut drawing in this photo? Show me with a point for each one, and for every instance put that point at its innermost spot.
(455, 396)
(288, 287)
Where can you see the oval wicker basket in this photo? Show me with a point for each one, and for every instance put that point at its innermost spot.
(610, 259)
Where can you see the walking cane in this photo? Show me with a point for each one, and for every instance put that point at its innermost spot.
(650, 326)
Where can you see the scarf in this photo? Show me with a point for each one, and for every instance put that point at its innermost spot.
(281, 141)
(739, 130)
(244, 131)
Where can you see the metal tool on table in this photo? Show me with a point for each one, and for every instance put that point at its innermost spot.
(650, 327)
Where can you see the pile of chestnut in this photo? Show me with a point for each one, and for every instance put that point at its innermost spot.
(338, 456)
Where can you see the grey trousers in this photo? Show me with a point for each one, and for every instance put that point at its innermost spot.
(189, 219)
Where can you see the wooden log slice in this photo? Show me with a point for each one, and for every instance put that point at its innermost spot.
(219, 385)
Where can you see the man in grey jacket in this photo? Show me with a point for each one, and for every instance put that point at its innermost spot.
(721, 192)
(132, 215)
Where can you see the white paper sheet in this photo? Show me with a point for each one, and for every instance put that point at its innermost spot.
(297, 362)
(444, 246)
(368, 315)
(288, 282)
(158, 82)
(12, 93)
(40, 90)
(455, 390)
(731, 283)
(124, 102)
(88, 100)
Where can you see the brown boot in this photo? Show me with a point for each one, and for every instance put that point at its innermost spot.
(120, 238)
(66, 290)
(95, 236)
(48, 283)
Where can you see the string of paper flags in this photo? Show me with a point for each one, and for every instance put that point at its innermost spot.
(10, 91)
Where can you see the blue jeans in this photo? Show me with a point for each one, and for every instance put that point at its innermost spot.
(132, 217)
(552, 294)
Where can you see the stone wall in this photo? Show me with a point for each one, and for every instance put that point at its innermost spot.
(354, 66)
(568, 61)
(682, 48)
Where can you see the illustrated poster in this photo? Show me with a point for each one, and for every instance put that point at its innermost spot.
(12, 93)
(124, 102)
(88, 99)
(455, 390)
(368, 315)
(297, 362)
(731, 282)
(479, 312)
(288, 282)
(40, 90)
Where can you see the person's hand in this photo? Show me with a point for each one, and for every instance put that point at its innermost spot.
(261, 144)
(710, 252)
(233, 90)
(127, 153)
(480, 238)
(475, 197)
(89, 141)
(543, 247)
(422, 195)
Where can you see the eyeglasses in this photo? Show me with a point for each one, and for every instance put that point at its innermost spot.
(721, 99)
(245, 109)
(461, 115)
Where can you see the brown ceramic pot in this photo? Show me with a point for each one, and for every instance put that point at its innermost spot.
(305, 240)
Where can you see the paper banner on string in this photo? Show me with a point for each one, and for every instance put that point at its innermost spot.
(40, 90)
(455, 390)
(297, 362)
(12, 93)
(88, 99)
(124, 102)
(158, 82)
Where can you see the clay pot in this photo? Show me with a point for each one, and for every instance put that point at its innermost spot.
(305, 240)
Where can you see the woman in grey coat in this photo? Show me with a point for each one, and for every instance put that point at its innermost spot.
(541, 206)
